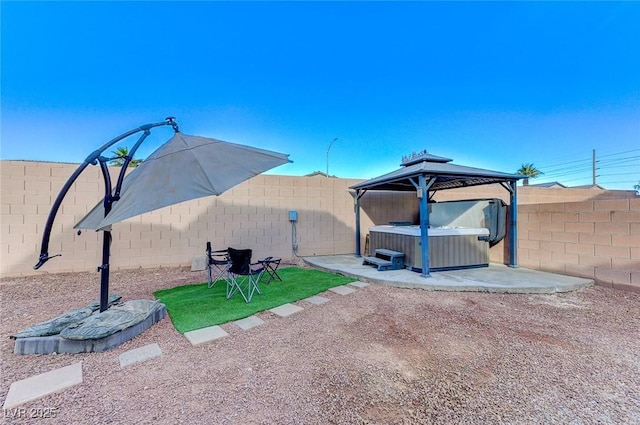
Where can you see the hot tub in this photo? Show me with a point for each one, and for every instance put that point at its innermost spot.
(449, 247)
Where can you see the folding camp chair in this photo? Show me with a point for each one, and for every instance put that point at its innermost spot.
(218, 264)
(243, 275)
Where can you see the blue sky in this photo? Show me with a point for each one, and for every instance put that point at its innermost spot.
(491, 85)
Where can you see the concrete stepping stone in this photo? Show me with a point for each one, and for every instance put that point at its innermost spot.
(139, 354)
(286, 310)
(317, 300)
(249, 322)
(358, 284)
(44, 384)
(201, 336)
(342, 290)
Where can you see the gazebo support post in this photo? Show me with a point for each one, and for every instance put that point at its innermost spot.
(422, 189)
(513, 239)
(512, 187)
(356, 207)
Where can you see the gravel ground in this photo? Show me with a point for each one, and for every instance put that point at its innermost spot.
(381, 355)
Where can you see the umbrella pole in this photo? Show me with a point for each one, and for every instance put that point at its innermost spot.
(106, 240)
(104, 271)
(94, 157)
(109, 197)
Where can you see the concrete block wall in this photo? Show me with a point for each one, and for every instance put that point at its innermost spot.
(534, 195)
(598, 239)
(28, 190)
(591, 233)
(254, 214)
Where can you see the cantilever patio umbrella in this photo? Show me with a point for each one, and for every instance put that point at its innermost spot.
(183, 168)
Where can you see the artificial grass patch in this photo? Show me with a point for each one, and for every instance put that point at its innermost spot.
(197, 306)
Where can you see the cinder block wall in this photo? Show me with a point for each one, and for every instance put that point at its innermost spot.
(534, 195)
(254, 214)
(598, 239)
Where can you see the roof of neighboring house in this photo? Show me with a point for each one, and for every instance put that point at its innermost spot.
(589, 186)
(550, 184)
(318, 173)
(446, 175)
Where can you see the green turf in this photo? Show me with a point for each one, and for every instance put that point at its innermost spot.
(197, 306)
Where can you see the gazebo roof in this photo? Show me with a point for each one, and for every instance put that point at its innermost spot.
(446, 175)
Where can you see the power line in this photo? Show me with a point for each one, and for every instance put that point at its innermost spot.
(613, 162)
(620, 166)
(620, 153)
(562, 164)
(617, 174)
(568, 173)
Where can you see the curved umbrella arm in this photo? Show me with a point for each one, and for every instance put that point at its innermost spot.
(93, 158)
(123, 170)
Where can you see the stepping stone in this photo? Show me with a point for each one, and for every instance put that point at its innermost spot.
(317, 300)
(44, 384)
(200, 336)
(286, 310)
(359, 284)
(342, 290)
(139, 354)
(249, 322)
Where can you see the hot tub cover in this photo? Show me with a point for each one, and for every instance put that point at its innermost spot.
(432, 231)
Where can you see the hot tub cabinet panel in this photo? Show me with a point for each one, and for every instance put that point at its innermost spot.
(448, 248)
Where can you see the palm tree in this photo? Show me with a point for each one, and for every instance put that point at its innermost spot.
(637, 187)
(530, 171)
(120, 155)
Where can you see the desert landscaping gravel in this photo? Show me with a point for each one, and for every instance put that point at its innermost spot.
(381, 355)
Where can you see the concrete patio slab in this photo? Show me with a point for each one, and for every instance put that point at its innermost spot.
(316, 300)
(139, 354)
(358, 284)
(497, 278)
(286, 310)
(204, 335)
(249, 322)
(342, 290)
(44, 384)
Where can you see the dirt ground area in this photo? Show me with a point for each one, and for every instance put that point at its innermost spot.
(381, 355)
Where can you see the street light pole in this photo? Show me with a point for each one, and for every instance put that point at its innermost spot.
(328, 149)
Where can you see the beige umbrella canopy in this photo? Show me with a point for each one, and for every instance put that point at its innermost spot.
(184, 168)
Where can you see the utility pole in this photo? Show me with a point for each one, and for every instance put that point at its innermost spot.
(593, 166)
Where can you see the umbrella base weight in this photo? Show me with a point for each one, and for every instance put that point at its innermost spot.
(58, 344)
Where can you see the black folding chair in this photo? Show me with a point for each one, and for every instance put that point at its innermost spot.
(244, 276)
(218, 264)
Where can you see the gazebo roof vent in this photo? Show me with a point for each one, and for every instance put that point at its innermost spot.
(422, 156)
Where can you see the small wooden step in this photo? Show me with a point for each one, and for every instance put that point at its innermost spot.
(388, 253)
(386, 259)
(377, 261)
(381, 263)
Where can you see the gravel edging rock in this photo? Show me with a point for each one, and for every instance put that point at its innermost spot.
(381, 355)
